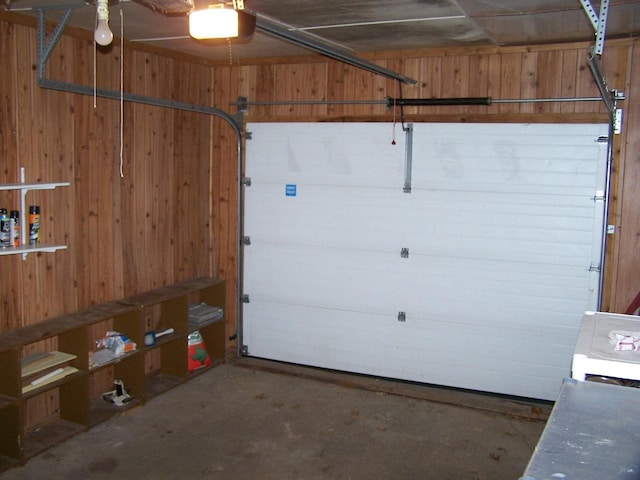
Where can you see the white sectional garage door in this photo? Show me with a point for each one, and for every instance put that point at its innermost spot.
(478, 278)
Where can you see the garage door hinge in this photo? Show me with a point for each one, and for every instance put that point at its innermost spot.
(246, 240)
(599, 196)
(404, 253)
(603, 139)
(246, 182)
(594, 268)
(245, 298)
(617, 121)
(402, 316)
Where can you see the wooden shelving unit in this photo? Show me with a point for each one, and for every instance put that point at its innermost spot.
(146, 372)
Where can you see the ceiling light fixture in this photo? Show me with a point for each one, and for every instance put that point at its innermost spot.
(103, 34)
(217, 21)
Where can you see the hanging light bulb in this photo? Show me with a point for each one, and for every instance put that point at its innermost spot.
(103, 34)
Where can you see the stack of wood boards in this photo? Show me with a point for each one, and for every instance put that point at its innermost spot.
(45, 368)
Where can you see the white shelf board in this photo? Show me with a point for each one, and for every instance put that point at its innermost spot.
(25, 249)
(33, 186)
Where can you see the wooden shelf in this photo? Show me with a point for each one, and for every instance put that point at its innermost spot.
(64, 375)
(158, 383)
(49, 435)
(145, 372)
(200, 371)
(101, 410)
(26, 249)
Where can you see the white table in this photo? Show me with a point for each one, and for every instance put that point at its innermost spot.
(595, 355)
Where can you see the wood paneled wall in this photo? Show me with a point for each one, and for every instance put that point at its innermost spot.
(173, 215)
(125, 234)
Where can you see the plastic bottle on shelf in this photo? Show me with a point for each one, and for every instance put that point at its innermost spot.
(14, 228)
(4, 228)
(34, 225)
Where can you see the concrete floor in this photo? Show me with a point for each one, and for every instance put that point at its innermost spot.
(245, 421)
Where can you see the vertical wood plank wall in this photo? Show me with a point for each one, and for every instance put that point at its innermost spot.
(125, 235)
(173, 215)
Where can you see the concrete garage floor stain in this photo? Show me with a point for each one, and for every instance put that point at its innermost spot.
(241, 423)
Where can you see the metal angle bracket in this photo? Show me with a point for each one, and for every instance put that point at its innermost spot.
(608, 96)
(46, 47)
(599, 21)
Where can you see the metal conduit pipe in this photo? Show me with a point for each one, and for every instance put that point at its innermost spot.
(44, 51)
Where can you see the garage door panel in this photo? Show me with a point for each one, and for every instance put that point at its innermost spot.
(368, 282)
(473, 286)
(433, 352)
(525, 156)
(346, 280)
(327, 156)
(326, 216)
(500, 227)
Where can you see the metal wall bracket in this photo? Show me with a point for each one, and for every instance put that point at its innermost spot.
(607, 96)
(46, 47)
(242, 104)
(599, 21)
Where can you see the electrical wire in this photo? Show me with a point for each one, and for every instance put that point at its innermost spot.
(95, 53)
(121, 92)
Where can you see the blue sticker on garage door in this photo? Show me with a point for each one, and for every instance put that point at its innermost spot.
(290, 190)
